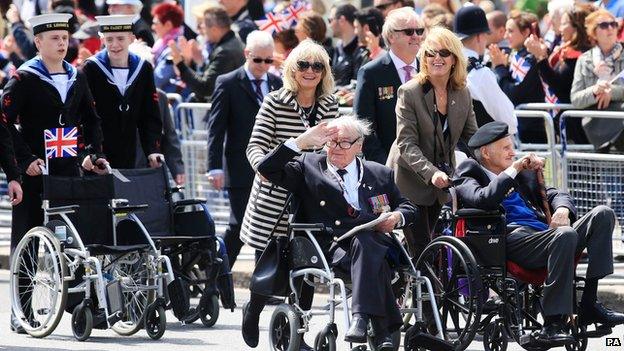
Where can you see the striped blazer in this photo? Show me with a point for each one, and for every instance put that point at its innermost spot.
(280, 117)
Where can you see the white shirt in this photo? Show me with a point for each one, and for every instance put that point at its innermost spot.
(351, 183)
(60, 83)
(510, 171)
(483, 87)
(399, 64)
(121, 78)
(265, 81)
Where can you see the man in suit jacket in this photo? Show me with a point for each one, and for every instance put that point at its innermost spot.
(235, 103)
(378, 81)
(495, 180)
(342, 191)
(226, 55)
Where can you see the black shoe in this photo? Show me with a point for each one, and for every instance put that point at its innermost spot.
(598, 313)
(250, 327)
(385, 344)
(357, 330)
(554, 334)
(274, 301)
(15, 325)
(305, 347)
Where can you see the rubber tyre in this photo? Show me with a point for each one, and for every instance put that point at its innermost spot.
(82, 322)
(283, 327)
(208, 310)
(155, 321)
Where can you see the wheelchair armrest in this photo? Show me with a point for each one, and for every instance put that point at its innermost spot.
(475, 212)
(124, 208)
(62, 209)
(307, 226)
(177, 189)
(188, 202)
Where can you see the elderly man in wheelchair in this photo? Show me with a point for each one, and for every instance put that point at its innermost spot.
(342, 191)
(535, 238)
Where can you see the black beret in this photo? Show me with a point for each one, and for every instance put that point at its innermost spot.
(489, 133)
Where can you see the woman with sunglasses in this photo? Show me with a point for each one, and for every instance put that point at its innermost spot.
(557, 69)
(518, 75)
(595, 85)
(434, 112)
(305, 100)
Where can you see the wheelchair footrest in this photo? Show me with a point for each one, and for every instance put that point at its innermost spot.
(417, 337)
(600, 331)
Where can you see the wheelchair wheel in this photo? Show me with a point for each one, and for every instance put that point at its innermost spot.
(495, 337)
(325, 341)
(82, 321)
(38, 286)
(208, 309)
(457, 288)
(283, 327)
(155, 320)
(134, 272)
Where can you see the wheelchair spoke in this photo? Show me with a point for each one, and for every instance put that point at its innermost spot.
(433, 276)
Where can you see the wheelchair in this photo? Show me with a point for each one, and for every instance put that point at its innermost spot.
(92, 258)
(309, 266)
(513, 311)
(184, 231)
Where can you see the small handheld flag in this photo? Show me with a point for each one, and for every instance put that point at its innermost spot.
(61, 142)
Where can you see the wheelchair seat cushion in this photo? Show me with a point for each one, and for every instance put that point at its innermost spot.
(532, 276)
(98, 249)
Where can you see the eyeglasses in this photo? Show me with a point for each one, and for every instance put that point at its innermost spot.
(606, 25)
(341, 144)
(382, 7)
(268, 61)
(410, 31)
(317, 67)
(443, 53)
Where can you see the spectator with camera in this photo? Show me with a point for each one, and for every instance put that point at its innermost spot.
(434, 112)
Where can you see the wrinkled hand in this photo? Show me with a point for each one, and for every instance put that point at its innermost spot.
(498, 56)
(12, 14)
(155, 160)
(316, 137)
(34, 169)
(560, 218)
(180, 179)
(440, 180)
(536, 46)
(176, 55)
(217, 180)
(529, 161)
(15, 192)
(389, 224)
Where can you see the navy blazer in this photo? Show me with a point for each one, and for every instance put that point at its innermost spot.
(475, 190)
(375, 100)
(319, 196)
(230, 123)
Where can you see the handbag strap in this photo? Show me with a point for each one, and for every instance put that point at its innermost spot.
(286, 204)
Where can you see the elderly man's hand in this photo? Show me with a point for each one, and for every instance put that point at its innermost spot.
(390, 223)
(529, 161)
(316, 137)
(440, 180)
(560, 218)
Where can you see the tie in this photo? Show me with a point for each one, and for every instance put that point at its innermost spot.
(341, 173)
(258, 89)
(408, 72)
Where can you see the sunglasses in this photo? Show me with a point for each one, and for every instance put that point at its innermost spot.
(382, 7)
(410, 31)
(606, 25)
(443, 53)
(268, 61)
(317, 67)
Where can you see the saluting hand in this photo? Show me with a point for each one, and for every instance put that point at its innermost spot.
(316, 136)
(15, 192)
(34, 169)
(560, 218)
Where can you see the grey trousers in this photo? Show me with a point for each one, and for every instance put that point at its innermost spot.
(556, 249)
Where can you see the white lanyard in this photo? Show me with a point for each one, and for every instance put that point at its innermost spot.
(341, 181)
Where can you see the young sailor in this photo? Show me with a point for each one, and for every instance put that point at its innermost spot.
(123, 88)
(51, 102)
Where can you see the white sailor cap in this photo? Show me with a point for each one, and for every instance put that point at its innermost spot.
(124, 2)
(115, 23)
(50, 21)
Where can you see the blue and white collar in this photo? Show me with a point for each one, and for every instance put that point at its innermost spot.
(36, 67)
(135, 63)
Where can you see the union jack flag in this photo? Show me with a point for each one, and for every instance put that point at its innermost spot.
(281, 18)
(519, 67)
(61, 142)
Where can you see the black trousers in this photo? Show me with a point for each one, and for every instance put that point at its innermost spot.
(231, 237)
(28, 213)
(418, 235)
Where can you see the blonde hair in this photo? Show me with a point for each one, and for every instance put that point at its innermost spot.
(449, 41)
(308, 50)
(591, 21)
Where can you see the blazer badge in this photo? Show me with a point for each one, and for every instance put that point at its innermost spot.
(385, 93)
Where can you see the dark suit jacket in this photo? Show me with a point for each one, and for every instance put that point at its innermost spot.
(232, 117)
(226, 56)
(475, 190)
(375, 100)
(320, 197)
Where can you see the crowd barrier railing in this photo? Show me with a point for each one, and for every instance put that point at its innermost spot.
(190, 115)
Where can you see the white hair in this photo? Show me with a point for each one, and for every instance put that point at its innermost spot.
(350, 122)
(559, 6)
(398, 19)
(259, 40)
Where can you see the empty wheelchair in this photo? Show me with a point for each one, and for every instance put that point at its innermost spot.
(184, 231)
(91, 258)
